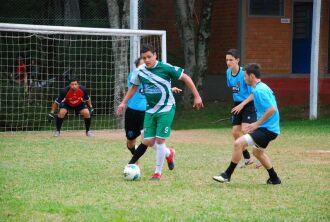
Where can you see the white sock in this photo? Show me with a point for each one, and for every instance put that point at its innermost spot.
(167, 150)
(160, 157)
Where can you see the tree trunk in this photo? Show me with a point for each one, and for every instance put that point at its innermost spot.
(185, 26)
(71, 13)
(119, 18)
(202, 51)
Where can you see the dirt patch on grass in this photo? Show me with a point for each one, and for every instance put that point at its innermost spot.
(180, 136)
(318, 156)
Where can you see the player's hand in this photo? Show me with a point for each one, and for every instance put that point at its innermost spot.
(176, 90)
(251, 127)
(91, 111)
(50, 117)
(198, 103)
(237, 108)
(121, 108)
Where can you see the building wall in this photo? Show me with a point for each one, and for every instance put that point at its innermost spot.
(269, 42)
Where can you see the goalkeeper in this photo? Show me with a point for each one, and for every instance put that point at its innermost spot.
(73, 97)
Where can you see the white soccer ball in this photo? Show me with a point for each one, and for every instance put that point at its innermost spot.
(132, 172)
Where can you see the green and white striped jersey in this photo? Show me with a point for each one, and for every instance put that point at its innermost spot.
(156, 84)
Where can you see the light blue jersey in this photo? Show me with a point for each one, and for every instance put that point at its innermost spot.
(240, 89)
(138, 100)
(264, 99)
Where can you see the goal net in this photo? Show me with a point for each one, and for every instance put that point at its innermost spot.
(36, 62)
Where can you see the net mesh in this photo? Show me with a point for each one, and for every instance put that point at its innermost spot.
(35, 67)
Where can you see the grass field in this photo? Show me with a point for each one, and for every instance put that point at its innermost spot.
(74, 178)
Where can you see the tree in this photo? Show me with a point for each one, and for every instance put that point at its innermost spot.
(195, 39)
(119, 18)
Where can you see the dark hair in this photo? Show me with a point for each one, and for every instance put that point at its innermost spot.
(137, 62)
(253, 68)
(73, 80)
(233, 52)
(147, 48)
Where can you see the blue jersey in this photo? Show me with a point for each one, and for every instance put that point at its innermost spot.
(138, 100)
(237, 83)
(264, 99)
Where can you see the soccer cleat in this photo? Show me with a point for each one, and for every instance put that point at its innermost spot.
(156, 176)
(274, 182)
(222, 178)
(258, 164)
(89, 134)
(170, 159)
(57, 134)
(247, 162)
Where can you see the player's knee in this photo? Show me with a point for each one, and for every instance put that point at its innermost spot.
(238, 144)
(235, 133)
(149, 142)
(85, 114)
(130, 143)
(61, 115)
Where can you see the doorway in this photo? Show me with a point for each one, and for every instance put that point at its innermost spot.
(302, 37)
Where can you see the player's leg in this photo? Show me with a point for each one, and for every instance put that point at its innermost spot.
(239, 145)
(149, 137)
(87, 117)
(164, 125)
(238, 124)
(260, 139)
(249, 116)
(133, 127)
(60, 118)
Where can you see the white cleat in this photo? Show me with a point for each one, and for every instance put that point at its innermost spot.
(89, 134)
(222, 178)
(57, 134)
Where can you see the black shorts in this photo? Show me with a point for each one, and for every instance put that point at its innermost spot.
(247, 115)
(133, 123)
(77, 109)
(262, 137)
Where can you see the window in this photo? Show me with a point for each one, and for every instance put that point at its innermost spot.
(266, 7)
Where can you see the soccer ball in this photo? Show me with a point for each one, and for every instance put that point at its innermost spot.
(132, 172)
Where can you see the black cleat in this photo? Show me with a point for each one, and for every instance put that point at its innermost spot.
(274, 182)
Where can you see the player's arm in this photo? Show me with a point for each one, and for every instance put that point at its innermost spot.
(198, 103)
(253, 126)
(240, 106)
(131, 91)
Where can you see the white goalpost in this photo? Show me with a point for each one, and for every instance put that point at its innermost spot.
(37, 61)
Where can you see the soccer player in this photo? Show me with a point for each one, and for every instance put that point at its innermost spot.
(243, 111)
(135, 111)
(155, 77)
(73, 97)
(259, 133)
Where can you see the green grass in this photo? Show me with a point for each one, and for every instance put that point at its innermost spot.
(74, 178)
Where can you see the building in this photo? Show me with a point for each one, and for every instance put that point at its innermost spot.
(276, 34)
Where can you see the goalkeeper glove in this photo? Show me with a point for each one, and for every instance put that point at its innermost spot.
(91, 111)
(51, 117)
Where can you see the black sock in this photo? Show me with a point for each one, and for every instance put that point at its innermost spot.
(131, 149)
(59, 122)
(231, 169)
(87, 123)
(246, 154)
(138, 153)
(272, 174)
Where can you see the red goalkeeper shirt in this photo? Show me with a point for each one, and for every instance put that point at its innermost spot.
(72, 98)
